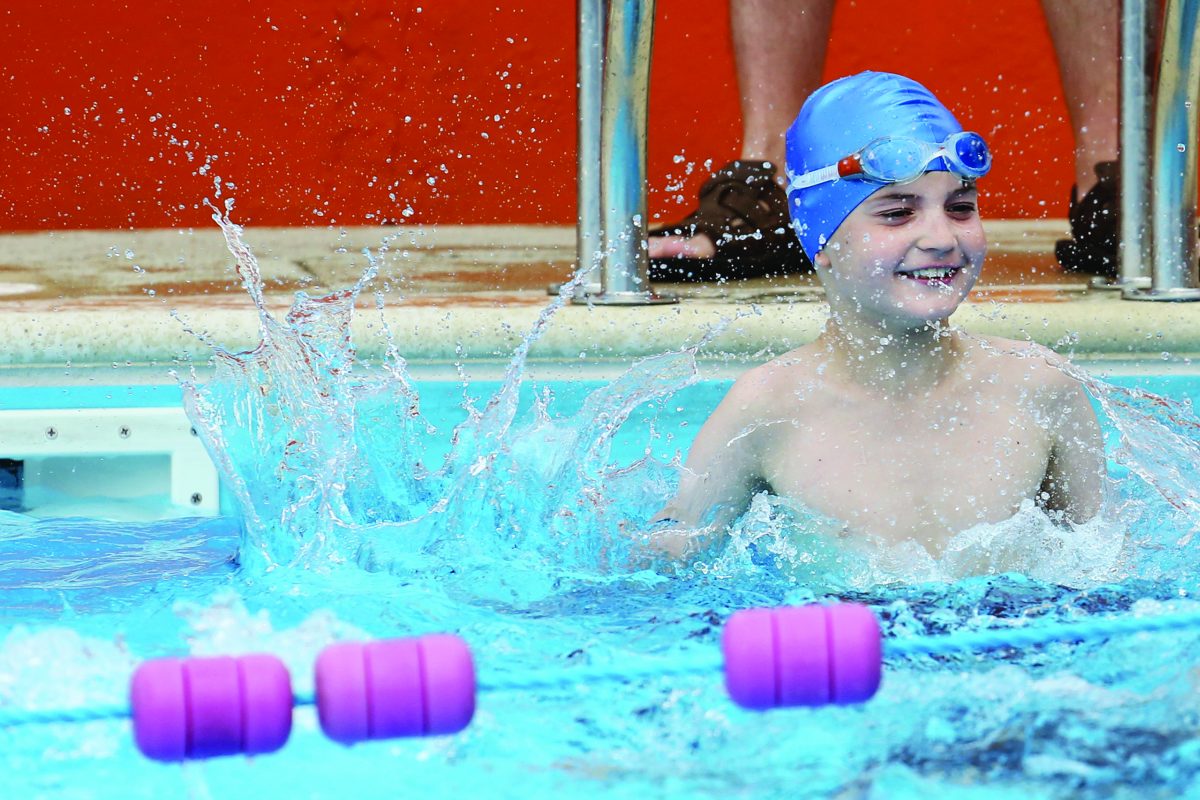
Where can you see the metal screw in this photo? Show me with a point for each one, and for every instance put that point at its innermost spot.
(196, 498)
(124, 432)
(51, 433)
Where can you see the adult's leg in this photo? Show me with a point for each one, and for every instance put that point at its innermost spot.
(779, 52)
(1086, 36)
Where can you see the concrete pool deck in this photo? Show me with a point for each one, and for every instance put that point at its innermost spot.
(111, 298)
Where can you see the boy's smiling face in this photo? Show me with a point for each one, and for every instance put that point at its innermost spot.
(909, 253)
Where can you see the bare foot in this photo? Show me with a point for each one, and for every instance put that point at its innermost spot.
(698, 246)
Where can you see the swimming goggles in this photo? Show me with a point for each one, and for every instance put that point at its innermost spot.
(899, 159)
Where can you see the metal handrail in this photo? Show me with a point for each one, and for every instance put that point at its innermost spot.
(614, 84)
(1172, 240)
(590, 70)
(1139, 31)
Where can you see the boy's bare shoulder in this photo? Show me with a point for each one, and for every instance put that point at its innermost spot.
(1028, 364)
(761, 388)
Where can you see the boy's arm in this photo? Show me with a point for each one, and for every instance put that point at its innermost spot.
(1075, 475)
(720, 476)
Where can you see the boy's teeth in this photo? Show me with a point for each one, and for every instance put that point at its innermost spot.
(931, 272)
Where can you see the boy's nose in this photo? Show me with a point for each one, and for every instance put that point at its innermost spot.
(937, 234)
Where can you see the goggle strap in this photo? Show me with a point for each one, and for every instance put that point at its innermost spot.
(823, 175)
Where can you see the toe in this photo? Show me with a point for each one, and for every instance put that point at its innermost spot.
(698, 246)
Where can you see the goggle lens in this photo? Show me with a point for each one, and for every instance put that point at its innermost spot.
(896, 160)
(973, 154)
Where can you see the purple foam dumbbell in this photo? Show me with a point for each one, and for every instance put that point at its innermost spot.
(802, 656)
(395, 687)
(204, 707)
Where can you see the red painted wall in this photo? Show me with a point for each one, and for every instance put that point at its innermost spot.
(120, 113)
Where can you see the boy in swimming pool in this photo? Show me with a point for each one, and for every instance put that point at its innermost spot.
(891, 422)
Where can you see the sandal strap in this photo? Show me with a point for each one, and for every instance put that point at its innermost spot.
(740, 200)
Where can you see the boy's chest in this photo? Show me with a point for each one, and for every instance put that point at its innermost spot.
(927, 472)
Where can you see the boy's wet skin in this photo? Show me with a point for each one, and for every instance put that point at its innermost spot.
(924, 465)
(891, 422)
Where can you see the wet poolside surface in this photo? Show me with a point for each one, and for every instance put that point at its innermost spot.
(436, 265)
(465, 292)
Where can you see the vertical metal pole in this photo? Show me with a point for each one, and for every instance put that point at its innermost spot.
(1175, 148)
(626, 265)
(590, 71)
(1173, 225)
(1138, 32)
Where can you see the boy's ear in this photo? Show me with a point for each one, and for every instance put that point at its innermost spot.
(821, 261)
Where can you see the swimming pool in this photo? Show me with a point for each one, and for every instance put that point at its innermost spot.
(87, 600)
(374, 504)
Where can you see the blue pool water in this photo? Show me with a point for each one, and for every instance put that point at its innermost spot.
(373, 505)
(85, 601)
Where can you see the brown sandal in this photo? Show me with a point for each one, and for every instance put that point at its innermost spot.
(1095, 226)
(744, 212)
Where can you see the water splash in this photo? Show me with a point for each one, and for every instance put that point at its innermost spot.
(325, 454)
(1159, 443)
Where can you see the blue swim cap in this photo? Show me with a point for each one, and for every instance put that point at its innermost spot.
(841, 118)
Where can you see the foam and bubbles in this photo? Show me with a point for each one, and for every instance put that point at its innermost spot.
(816, 551)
